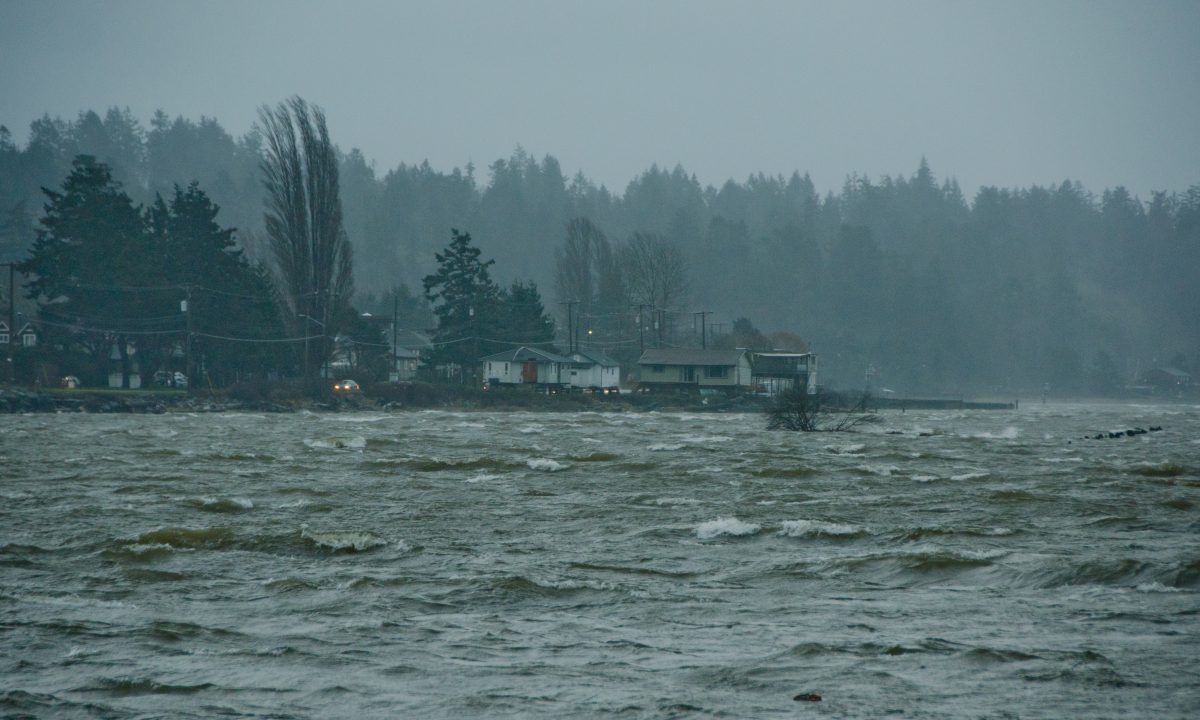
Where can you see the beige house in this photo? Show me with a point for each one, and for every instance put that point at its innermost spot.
(683, 367)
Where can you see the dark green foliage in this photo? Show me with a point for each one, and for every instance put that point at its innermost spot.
(110, 277)
(524, 320)
(465, 301)
(1007, 291)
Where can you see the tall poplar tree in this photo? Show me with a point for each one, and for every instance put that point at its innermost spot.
(304, 223)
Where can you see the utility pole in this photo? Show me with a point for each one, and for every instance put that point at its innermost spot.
(395, 312)
(703, 327)
(186, 306)
(641, 332)
(570, 324)
(12, 320)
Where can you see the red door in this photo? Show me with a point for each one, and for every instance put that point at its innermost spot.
(529, 372)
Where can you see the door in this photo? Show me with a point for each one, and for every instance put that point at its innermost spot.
(529, 372)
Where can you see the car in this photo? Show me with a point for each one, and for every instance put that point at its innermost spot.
(70, 381)
(345, 386)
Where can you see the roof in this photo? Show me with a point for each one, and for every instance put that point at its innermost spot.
(691, 356)
(410, 339)
(525, 354)
(595, 358)
(780, 364)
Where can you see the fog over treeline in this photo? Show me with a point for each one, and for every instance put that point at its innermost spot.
(1012, 290)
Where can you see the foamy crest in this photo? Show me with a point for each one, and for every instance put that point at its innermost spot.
(345, 541)
(725, 526)
(545, 464)
(881, 470)
(1154, 587)
(925, 478)
(1008, 433)
(815, 528)
(211, 504)
(676, 501)
(662, 447)
(337, 443)
(969, 476)
(845, 449)
(482, 477)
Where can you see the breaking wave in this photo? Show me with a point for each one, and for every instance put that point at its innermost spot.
(818, 528)
(725, 526)
(545, 464)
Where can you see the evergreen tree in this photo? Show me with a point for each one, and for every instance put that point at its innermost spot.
(524, 320)
(93, 270)
(466, 303)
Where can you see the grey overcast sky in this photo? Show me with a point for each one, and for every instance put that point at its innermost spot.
(1008, 93)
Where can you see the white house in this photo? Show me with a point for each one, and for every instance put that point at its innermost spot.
(593, 370)
(27, 336)
(526, 366)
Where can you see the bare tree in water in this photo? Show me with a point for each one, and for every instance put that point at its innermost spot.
(799, 411)
(304, 223)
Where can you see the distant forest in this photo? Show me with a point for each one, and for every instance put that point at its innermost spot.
(901, 282)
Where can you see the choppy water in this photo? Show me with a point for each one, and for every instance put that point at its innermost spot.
(438, 564)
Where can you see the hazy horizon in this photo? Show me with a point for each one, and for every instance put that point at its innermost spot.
(1011, 95)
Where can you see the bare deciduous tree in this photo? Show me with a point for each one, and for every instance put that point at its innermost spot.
(800, 411)
(304, 222)
(655, 270)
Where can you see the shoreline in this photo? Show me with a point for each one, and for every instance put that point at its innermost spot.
(430, 397)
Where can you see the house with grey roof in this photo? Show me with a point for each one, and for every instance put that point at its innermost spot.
(688, 367)
(591, 370)
(526, 366)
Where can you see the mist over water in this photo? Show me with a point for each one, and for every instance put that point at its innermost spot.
(442, 564)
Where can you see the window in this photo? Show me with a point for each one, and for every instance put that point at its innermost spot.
(716, 371)
(659, 368)
(3, 338)
(29, 340)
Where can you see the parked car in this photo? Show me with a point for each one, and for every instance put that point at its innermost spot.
(345, 386)
(167, 378)
(70, 381)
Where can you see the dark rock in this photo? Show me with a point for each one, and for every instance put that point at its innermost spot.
(808, 697)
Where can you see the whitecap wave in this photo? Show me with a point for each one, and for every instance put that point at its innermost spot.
(663, 447)
(545, 464)
(345, 541)
(815, 528)
(676, 501)
(482, 477)
(1155, 587)
(845, 449)
(725, 526)
(337, 443)
(976, 475)
(706, 439)
(1009, 433)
